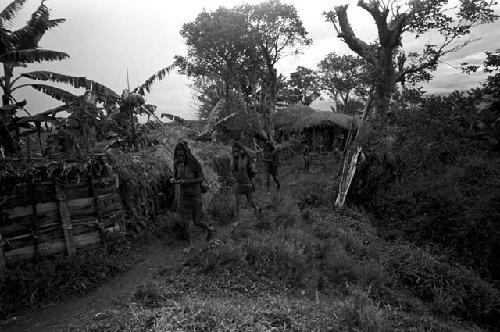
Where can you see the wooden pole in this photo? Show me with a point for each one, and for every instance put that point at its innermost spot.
(65, 220)
(35, 222)
(28, 147)
(40, 143)
(98, 210)
(3, 262)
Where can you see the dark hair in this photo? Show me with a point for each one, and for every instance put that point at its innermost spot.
(189, 155)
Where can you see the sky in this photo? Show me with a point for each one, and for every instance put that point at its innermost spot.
(107, 38)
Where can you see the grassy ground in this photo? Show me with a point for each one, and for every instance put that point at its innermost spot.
(304, 267)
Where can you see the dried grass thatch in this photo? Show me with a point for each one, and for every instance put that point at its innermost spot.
(144, 181)
(288, 117)
(326, 119)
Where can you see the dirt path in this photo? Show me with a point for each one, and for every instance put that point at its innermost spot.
(78, 311)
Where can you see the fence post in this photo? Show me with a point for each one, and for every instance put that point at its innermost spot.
(2, 253)
(65, 220)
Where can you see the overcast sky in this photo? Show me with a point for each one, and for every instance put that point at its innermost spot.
(104, 38)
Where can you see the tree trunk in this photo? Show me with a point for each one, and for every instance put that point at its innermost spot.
(384, 85)
(7, 84)
(273, 95)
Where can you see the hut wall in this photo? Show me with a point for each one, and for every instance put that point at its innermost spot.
(49, 219)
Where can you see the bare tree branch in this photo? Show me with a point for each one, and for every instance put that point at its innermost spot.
(349, 37)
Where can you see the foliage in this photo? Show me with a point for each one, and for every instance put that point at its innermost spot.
(344, 77)
(449, 288)
(435, 176)
(237, 49)
(393, 19)
(360, 312)
(32, 285)
(301, 87)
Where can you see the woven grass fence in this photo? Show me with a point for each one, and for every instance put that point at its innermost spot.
(144, 183)
(60, 207)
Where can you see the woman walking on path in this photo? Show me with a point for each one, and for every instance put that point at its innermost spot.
(271, 163)
(188, 175)
(243, 172)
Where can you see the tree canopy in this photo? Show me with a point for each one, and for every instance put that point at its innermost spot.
(393, 19)
(240, 47)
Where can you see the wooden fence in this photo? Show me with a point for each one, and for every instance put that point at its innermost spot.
(50, 218)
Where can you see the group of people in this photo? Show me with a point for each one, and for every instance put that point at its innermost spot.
(188, 176)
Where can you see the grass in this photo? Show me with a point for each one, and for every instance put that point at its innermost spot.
(29, 285)
(307, 269)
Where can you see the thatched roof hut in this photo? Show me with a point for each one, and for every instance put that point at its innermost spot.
(285, 119)
(326, 119)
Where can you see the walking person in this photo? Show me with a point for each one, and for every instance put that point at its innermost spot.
(188, 175)
(307, 158)
(271, 164)
(244, 171)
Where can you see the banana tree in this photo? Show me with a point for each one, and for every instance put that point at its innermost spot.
(18, 48)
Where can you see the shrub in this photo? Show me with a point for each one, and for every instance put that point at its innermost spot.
(360, 313)
(29, 285)
(449, 288)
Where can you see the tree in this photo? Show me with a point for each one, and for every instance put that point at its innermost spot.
(240, 47)
(392, 19)
(343, 77)
(277, 31)
(19, 47)
(302, 86)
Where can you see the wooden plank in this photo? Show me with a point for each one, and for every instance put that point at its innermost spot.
(80, 203)
(65, 221)
(23, 211)
(52, 247)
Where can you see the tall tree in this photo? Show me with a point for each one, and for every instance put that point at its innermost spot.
(344, 77)
(240, 46)
(277, 31)
(394, 18)
(303, 86)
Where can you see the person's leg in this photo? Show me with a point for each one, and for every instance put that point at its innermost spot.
(268, 179)
(237, 207)
(187, 228)
(275, 179)
(251, 201)
(198, 222)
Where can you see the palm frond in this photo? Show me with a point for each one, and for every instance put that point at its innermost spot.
(56, 93)
(159, 75)
(32, 56)
(76, 82)
(28, 36)
(9, 12)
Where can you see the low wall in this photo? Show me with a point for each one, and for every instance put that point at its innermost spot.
(48, 209)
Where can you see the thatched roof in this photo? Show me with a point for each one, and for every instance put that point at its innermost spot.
(325, 119)
(287, 117)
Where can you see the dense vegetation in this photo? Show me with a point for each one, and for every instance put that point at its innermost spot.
(436, 175)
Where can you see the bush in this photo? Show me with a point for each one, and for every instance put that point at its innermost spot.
(435, 176)
(29, 285)
(448, 288)
(360, 313)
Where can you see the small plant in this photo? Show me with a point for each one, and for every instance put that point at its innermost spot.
(360, 313)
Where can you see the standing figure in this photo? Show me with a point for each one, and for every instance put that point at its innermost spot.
(243, 171)
(271, 163)
(188, 175)
(307, 158)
